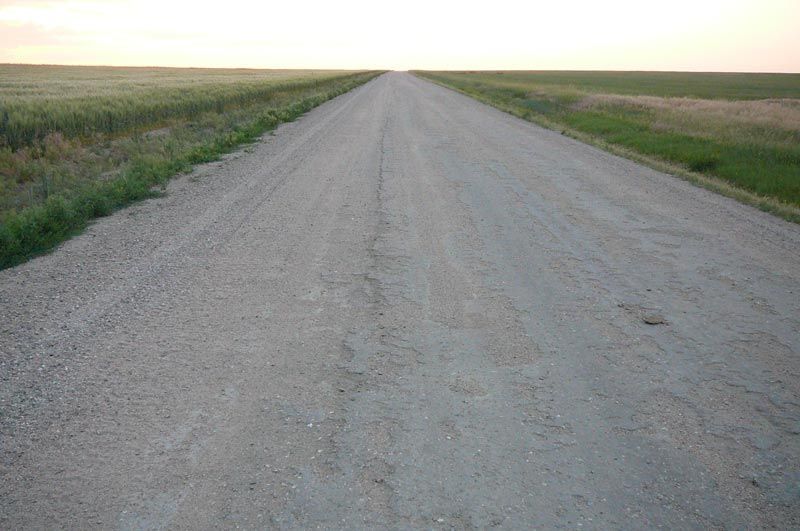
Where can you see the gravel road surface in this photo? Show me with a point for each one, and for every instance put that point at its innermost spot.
(408, 310)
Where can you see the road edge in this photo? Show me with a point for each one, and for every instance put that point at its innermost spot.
(770, 205)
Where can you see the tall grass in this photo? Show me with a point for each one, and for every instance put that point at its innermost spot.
(742, 137)
(83, 101)
(80, 162)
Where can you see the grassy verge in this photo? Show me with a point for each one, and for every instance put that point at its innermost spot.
(736, 134)
(53, 184)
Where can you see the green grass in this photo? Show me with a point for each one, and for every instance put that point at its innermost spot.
(738, 134)
(80, 142)
(728, 86)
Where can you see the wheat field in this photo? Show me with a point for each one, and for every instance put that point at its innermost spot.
(80, 142)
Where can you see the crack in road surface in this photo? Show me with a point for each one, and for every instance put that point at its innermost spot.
(408, 309)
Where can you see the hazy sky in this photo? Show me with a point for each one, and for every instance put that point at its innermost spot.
(708, 35)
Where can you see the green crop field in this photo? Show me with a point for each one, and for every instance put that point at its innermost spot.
(738, 134)
(79, 142)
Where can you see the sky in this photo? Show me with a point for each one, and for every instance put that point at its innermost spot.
(683, 35)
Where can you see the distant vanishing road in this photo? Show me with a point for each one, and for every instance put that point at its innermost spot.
(408, 310)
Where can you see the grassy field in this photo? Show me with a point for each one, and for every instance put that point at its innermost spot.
(79, 142)
(738, 134)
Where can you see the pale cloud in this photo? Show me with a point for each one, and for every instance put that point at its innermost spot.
(569, 34)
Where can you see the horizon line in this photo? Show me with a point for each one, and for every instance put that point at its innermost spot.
(103, 65)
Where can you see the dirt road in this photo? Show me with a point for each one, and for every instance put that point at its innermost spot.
(408, 309)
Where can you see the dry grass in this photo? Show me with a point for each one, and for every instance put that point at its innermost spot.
(713, 115)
